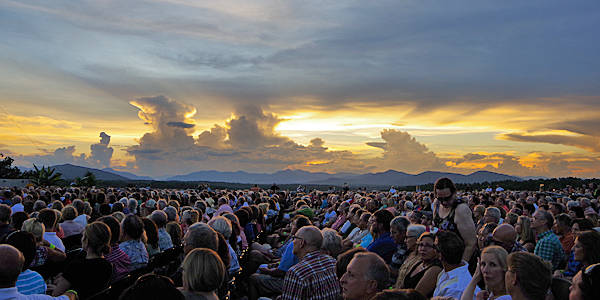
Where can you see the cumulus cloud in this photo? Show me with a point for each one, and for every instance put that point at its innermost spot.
(101, 153)
(586, 142)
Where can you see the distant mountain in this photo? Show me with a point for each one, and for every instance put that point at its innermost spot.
(127, 174)
(390, 177)
(70, 172)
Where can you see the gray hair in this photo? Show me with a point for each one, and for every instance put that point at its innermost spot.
(190, 216)
(415, 230)
(161, 204)
(159, 217)
(400, 223)
(222, 225)
(200, 235)
(171, 213)
(377, 269)
(572, 203)
(493, 212)
(332, 242)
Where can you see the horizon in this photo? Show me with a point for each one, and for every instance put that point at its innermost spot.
(162, 88)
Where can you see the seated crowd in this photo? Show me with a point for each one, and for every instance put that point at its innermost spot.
(144, 243)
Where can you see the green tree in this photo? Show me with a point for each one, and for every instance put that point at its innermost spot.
(45, 176)
(89, 179)
(6, 168)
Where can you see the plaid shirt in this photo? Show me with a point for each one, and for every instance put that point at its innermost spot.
(549, 248)
(312, 278)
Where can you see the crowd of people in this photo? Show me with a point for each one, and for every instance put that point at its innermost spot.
(144, 243)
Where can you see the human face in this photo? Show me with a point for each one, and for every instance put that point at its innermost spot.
(578, 250)
(427, 249)
(445, 197)
(397, 235)
(575, 228)
(575, 290)
(518, 226)
(411, 241)
(492, 271)
(372, 223)
(538, 222)
(487, 218)
(298, 244)
(510, 281)
(364, 223)
(353, 282)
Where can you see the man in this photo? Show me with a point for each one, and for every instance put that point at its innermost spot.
(17, 204)
(383, 244)
(492, 215)
(455, 276)
(164, 239)
(527, 277)
(366, 275)
(5, 213)
(49, 217)
(200, 235)
(505, 236)
(562, 228)
(451, 214)
(314, 276)
(11, 264)
(548, 245)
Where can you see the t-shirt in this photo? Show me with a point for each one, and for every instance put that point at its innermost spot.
(88, 276)
(30, 283)
(288, 259)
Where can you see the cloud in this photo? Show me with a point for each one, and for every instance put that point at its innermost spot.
(590, 143)
(101, 153)
(180, 125)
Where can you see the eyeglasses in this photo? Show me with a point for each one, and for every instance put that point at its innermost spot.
(295, 237)
(444, 199)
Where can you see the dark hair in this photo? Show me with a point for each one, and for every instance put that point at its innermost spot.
(17, 219)
(384, 217)
(151, 232)
(48, 217)
(343, 260)
(243, 217)
(444, 183)
(175, 232)
(578, 211)
(152, 287)
(104, 209)
(133, 226)
(223, 250)
(589, 277)
(98, 237)
(398, 294)
(590, 240)
(25, 242)
(301, 221)
(564, 220)
(5, 212)
(584, 224)
(451, 246)
(115, 228)
(534, 275)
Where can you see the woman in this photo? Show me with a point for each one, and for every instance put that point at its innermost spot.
(423, 275)
(398, 232)
(92, 274)
(586, 252)
(132, 231)
(117, 257)
(583, 284)
(69, 226)
(45, 252)
(203, 273)
(151, 237)
(526, 234)
(413, 232)
(29, 282)
(175, 232)
(491, 267)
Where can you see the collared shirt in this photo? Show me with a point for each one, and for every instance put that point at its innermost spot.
(164, 239)
(54, 240)
(30, 283)
(340, 220)
(13, 294)
(517, 247)
(384, 246)
(549, 248)
(288, 259)
(138, 255)
(567, 241)
(453, 283)
(313, 278)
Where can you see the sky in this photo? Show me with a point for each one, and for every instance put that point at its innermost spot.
(171, 87)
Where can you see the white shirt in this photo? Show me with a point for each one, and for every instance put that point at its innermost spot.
(453, 283)
(54, 240)
(81, 219)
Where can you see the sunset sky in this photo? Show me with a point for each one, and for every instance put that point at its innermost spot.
(179, 86)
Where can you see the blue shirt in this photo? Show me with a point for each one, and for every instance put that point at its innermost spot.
(366, 240)
(288, 259)
(30, 283)
(234, 265)
(136, 250)
(164, 240)
(384, 246)
(13, 294)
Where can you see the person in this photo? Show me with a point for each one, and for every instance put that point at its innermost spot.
(203, 274)
(383, 244)
(132, 230)
(455, 276)
(491, 267)
(343, 260)
(397, 294)
(49, 218)
(505, 236)
(117, 257)
(366, 275)
(152, 287)
(586, 252)
(45, 252)
(583, 284)
(526, 235)
(93, 273)
(548, 246)
(69, 227)
(398, 227)
(332, 242)
(200, 235)
(451, 214)
(5, 213)
(422, 277)
(528, 277)
(485, 235)
(11, 264)
(562, 228)
(164, 239)
(29, 282)
(413, 232)
(150, 237)
(222, 225)
(361, 230)
(314, 276)
(492, 215)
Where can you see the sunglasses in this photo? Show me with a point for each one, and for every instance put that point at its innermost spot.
(444, 199)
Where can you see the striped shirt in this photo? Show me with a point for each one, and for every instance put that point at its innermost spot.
(30, 283)
(313, 278)
(119, 260)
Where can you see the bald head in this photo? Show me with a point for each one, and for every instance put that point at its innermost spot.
(11, 264)
(312, 235)
(506, 234)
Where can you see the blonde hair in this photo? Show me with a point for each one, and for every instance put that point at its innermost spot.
(97, 235)
(526, 233)
(499, 253)
(36, 227)
(203, 270)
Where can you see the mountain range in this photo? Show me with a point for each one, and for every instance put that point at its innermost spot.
(387, 178)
